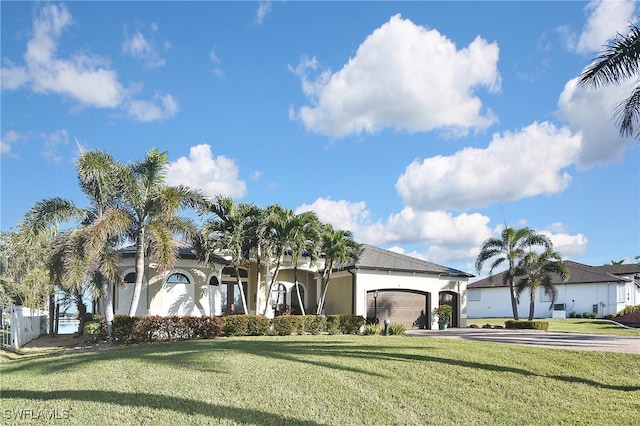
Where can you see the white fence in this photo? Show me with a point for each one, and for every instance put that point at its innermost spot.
(20, 325)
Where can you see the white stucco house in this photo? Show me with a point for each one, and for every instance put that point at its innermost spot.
(381, 284)
(595, 289)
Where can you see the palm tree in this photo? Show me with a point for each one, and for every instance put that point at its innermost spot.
(87, 251)
(152, 207)
(512, 246)
(338, 247)
(302, 236)
(230, 234)
(537, 270)
(275, 230)
(618, 61)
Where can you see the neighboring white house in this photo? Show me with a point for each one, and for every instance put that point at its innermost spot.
(594, 289)
(381, 284)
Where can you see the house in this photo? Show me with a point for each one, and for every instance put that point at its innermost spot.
(593, 289)
(381, 284)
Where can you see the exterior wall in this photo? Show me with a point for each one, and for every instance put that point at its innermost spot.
(609, 298)
(339, 294)
(382, 280)
(164, 299)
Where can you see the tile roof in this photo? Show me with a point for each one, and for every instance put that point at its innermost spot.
(579, 274)
(372, 257)
(184, 252)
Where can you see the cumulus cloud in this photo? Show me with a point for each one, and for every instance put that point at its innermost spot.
(403, 76)
(201, 170)
(86, 79)
(590, 113)
(514, 165)
(160, 108)
(605, 19)
(566, 244)
(144, 48)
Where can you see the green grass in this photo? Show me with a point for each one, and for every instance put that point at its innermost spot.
(324, 380)
(569, 325)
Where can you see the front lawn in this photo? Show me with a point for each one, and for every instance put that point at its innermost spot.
(569, 325)
(323, 380)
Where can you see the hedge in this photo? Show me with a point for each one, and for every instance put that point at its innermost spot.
(128, 330)
(529, 325)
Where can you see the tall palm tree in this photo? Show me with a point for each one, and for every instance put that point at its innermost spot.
(302, 237)
(337, 246)
(618, 61)
(229, 233)
(89, 245)
(153, 209)
(512, 246)
(537, 270)
(276, 232)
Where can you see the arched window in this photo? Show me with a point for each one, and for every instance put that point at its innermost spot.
(214, 281)
(130, 278)
(178, 278)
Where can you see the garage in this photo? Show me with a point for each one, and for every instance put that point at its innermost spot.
(407, 307)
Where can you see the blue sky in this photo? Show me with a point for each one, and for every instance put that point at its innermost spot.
(421, 126)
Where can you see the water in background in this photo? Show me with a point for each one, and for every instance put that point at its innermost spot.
(68, 326)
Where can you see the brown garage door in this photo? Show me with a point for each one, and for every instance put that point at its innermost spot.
(408, 308)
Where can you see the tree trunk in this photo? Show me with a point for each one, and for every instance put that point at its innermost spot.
(295, 279)
(258, 276)
(137, 289)
(244, 300)
(514, 301)
(107, 308)
(273, 279)
(532, 303)
(325, 281)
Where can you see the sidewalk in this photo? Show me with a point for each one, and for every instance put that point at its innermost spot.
(586, 342)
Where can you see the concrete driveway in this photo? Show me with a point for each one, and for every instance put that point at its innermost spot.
(585, 342)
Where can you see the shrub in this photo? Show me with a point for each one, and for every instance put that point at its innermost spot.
(396, 329)
(609, 316)
(235, 325)
(258, 325)
(314, 324)
(586, 315)
(298, 322)
(572, 314)
(94, 331)
(283, 325)
(372, 329)
(529, 325)
(628, 310)
(351, 324)
(123, 327)
(332, 324)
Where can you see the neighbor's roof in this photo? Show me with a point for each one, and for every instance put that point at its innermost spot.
(372, 257)
(579, 273)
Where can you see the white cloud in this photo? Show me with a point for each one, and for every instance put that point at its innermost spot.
(264, 7)
(514, 165)
(403, 76)
(52, 143)
(605, 19)
(143, 48)
(86, 79)
(590, 112)
(566, 244)
(161, 108)
(213, 175)
(9, 139)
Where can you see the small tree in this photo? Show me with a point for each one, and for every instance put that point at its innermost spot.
(512, 246)
(537, 270)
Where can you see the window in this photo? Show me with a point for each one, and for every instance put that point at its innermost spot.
(621, 293)
(544, 297)
(473, 295)
(178, 278)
